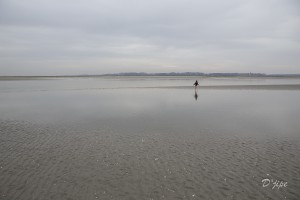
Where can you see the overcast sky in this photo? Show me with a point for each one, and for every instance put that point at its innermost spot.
(59, 37)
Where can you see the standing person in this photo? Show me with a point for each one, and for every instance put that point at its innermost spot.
(196, 84)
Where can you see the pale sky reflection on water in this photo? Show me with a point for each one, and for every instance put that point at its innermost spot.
(249, 112)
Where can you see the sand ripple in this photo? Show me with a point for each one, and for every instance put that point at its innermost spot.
(42, 161)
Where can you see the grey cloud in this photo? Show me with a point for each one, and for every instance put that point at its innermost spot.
(100, 36)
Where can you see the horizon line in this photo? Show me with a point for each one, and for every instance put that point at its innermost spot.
(227, 74)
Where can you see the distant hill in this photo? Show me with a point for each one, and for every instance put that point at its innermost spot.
(164, 74)
(202, 74)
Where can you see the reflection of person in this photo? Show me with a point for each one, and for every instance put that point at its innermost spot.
(196, 95)
(196, 84)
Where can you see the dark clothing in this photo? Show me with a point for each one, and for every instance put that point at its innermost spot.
(196, 83)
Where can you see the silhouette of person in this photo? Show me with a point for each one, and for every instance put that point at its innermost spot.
(196, 84)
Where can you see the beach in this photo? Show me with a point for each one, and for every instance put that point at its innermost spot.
(149, 138)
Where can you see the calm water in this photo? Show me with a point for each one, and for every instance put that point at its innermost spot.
(129, 99)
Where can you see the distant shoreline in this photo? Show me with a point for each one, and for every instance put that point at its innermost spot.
(172, 74)
(203, 74)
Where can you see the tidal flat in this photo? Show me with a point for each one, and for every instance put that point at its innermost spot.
(149, 138)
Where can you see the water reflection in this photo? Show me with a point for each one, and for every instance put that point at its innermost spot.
(255, 111)
(196, 95)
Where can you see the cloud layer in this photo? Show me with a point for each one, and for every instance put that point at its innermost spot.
(40, 37)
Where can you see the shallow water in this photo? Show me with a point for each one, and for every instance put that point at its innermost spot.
(149, 138)
(163, 101)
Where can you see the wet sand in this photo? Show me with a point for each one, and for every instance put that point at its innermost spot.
(90, 139)
(43, 161)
